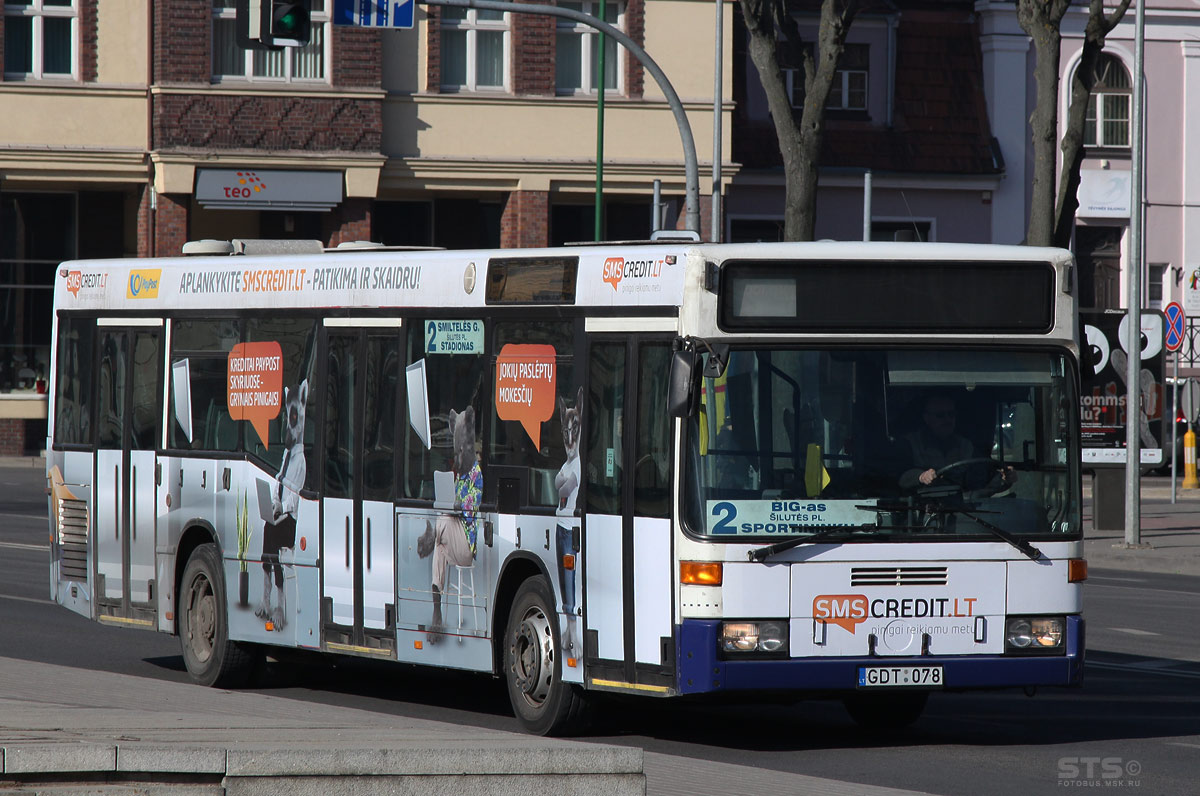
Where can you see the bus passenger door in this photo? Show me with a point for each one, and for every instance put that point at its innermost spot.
(129, 414)
(358, 514)
(627, 560)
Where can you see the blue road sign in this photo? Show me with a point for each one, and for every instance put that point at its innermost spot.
(1175, 323)
(374, 13)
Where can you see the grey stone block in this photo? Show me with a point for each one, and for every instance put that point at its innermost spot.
(175, 759)
(59, 758)
(416, 785)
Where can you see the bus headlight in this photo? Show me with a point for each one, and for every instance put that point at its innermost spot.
(1034, 634)
(749, 637)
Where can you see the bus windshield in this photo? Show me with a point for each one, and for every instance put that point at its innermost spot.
(888, 444)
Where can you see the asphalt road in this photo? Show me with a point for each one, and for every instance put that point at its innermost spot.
(1134, 727)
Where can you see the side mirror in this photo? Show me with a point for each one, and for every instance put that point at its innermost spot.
(682, 390)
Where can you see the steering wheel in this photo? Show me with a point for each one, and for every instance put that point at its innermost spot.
(941, 471)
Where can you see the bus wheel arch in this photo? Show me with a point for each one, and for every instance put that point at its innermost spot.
(210, 656)
(194, 535)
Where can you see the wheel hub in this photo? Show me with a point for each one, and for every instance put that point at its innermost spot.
(533, 657)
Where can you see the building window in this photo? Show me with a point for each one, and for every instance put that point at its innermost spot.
(576, 48)
(1107, 122)
(39, 39)
(474, 49)
(849, 89)
(1154, 285)
(37, 233)
(288, 64)
(902, 230)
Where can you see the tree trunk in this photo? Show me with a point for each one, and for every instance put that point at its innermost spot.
(1043, 125)
(771, 27)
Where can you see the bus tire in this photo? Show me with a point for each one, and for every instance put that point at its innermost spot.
(883, 713)
(210, 657)
(542, 702)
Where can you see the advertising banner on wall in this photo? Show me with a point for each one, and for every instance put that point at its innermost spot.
(1103, 390)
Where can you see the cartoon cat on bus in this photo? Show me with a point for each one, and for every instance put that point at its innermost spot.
(285, 500)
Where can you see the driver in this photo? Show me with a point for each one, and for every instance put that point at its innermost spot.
(936, 445)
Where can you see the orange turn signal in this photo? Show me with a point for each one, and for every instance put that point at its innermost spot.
(700, 573)
(1076, 570)
(568, 561)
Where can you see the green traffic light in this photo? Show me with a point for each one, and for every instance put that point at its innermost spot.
(290, 21)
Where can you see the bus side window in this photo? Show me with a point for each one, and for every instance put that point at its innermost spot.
(605, 410)
(297, 346)
(454, 382)
(652, 471)
(554, 460)
(73, 389)
(205, 345)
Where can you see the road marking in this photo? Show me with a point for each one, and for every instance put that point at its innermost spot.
(26, 599)
(42, 517)
(1143, 669)
(1134, 631)
(19, 546)
(1145, 588)
(1180, 743)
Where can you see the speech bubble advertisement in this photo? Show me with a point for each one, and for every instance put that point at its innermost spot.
(525, 386)
(254, 384)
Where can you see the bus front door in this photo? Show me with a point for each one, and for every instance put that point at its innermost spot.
(358, 513)
(129, 418)
(627, 550)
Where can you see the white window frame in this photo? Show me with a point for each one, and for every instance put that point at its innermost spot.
(38, 11)
(1096, 102)
(1096, 125)
(587, 53)
(472, 24)
(794, 81)
(320, 18)
(845, 75)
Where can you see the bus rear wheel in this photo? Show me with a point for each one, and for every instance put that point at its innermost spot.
(210, 657)
(542, 702)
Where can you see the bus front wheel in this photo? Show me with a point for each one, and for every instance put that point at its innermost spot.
(542, 702)
(210, 657)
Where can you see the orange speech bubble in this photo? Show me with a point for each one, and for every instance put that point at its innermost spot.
(846, 611)
(254, 382)
(525, 384)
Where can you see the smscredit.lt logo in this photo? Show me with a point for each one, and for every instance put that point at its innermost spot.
(143, 283)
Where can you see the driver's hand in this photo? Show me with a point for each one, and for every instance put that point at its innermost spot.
(928, 477)
(1008, 476)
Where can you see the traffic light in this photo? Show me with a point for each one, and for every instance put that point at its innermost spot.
(270, 24)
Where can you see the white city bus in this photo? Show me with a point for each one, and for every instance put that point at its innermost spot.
(826, 469)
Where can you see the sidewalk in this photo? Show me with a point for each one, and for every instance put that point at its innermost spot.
(67, 730)
(1171, 531)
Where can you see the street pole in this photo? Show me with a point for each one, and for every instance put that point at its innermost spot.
(1133, 338)
(600, 130)
(718, 100)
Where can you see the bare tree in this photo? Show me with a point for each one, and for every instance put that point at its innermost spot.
(774, 40)
(1042, 20)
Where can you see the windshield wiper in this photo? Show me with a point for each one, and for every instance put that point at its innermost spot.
(1017, 542)
(825, 534)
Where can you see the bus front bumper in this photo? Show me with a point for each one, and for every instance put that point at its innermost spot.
(703, 670)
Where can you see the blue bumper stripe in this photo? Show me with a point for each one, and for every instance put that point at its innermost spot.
(701, 671)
